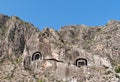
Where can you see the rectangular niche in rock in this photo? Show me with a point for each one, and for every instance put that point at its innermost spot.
(81, 62)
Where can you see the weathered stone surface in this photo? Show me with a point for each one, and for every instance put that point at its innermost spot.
(99, 45)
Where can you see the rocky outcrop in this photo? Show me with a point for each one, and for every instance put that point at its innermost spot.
(74, 54)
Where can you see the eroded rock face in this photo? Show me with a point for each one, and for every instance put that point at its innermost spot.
(99, 46)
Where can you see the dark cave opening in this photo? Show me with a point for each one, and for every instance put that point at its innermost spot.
(36, 56)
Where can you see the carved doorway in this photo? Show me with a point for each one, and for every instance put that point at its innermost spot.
(36, 56)
(81, 62)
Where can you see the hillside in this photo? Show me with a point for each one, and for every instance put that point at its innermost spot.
(73, 54)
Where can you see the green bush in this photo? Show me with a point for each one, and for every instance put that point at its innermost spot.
(40, 81)
(117, 69)
(108, 72)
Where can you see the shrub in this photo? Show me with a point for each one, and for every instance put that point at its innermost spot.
(108, 72)
(117, 69)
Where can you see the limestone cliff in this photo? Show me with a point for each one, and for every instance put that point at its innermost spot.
(74, 54)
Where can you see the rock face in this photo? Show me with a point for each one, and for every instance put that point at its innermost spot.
(73, 54)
